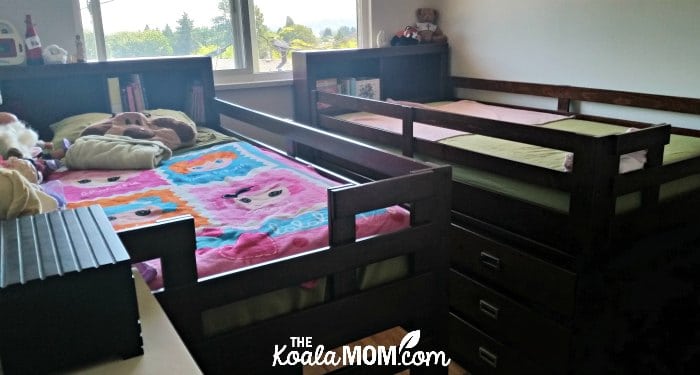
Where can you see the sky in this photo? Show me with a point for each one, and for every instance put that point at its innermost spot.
(136, 14)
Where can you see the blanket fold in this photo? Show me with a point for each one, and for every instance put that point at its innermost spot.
(115, 152)
(21, 197)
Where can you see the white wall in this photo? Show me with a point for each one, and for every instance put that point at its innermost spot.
(57, 21)
(632, 45)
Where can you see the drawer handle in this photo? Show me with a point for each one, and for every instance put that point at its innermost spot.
(488, 357)
(490, 261)
(488, 309)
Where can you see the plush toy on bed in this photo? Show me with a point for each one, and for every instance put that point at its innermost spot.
(16, 138)
(428, 30)
(172, 132)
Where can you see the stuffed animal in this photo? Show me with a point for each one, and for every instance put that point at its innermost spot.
(406, 37)
(428, 30)
(172, 132)
(25, 167)
(16, 138)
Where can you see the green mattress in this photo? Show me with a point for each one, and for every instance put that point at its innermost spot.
(679, 148)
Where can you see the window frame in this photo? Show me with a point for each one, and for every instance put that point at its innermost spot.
(241, 24)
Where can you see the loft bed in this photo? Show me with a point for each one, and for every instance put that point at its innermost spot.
(358, 280)
(539, 249)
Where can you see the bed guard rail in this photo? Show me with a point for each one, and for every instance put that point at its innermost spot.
(390, 165)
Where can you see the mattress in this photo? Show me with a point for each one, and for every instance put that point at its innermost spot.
(679, 148)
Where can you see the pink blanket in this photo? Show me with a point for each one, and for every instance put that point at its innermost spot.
(462, 107)
(249, 205)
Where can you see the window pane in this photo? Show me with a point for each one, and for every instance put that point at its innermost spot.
(88, 31)
(282, 26)
(138, 28)
(146, 28)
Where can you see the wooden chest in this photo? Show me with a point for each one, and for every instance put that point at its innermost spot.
(67, 294)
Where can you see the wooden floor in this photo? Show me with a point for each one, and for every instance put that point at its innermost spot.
(389, 337)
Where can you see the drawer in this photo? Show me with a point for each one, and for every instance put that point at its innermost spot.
(480, 354)
(531, 333)
(506, 267)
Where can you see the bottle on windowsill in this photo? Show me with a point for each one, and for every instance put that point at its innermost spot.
(33, 44)
(80, 50)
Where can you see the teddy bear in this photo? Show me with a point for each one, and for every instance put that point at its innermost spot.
(16, 138)
(428, 30)
(171, 132)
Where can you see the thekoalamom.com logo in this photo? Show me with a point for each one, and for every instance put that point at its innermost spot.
(301, 352)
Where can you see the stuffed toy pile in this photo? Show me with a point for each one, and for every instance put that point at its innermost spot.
(20, 171)
(16, 139)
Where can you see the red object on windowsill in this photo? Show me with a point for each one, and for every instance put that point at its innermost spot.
(34, 56)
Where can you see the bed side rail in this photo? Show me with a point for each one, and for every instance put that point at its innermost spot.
(650, 136)
(355, 152)
(567, 94)
(544, 137)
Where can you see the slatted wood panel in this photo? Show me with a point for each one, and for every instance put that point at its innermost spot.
(54, 244)
(67, 295)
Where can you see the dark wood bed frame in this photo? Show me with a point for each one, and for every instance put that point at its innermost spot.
(42, 95)
(531, 289)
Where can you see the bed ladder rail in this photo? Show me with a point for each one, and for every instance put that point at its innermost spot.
(173, 241)
(427, 194)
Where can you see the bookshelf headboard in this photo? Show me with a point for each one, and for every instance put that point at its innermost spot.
(42, 95)
(415, 73)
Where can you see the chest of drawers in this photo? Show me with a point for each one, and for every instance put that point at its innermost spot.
(514, 309)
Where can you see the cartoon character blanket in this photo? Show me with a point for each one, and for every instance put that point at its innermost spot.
(250, 205)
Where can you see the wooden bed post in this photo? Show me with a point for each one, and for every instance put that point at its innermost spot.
(173, 242)
(564, 105)
(341, 230)
(407, 131)
(592, 204)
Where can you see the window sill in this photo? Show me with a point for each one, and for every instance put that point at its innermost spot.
(252, 84)
(228, 80)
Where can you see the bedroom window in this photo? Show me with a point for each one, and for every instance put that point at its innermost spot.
(241, 36)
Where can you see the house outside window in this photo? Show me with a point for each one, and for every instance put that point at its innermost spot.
(243, 37)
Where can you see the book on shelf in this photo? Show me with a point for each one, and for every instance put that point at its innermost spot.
(195, 102)
(115, 95)
(347, 85)
(127, 93)
(130, 99)
(139, 96)
(365, 87)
